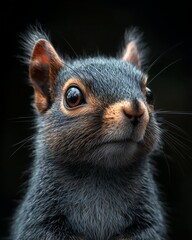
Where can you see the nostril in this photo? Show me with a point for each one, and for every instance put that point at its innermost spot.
(132, 114)
(129, 115)
(140, 115)
(134, 117)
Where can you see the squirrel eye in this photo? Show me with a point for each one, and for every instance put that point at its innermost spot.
(73, 97)
(149, 96)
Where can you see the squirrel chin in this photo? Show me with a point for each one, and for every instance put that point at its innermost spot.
(115, 153)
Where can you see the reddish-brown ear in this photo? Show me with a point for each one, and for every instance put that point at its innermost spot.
(131, 54)
(43, 70)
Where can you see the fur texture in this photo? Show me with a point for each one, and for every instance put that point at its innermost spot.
(92, 177)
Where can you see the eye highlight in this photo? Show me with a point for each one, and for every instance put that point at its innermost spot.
(149, 96)
(73, 97)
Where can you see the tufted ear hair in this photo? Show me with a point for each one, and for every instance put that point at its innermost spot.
(134, 50)
(44, 65)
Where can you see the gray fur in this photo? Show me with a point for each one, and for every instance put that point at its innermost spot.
(78, 191)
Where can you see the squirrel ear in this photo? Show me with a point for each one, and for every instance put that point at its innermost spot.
(44, 66)
(131, 54)
(135, 49)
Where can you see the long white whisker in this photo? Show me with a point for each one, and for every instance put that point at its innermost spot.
(27, 140)
(162, 54)
(173, 112)
(172, 63)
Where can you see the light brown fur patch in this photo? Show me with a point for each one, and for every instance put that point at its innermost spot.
(40, 102)
(114, 113)
(117, 119)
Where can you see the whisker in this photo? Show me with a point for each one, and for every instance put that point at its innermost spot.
(172, 146)
(173, 112)
(22, 119)
(89, 72)
(25, 117)
(176, 138)
(29, 137)
(180, 130)
(179, 144)
(162, 54)
(172, 63)
(25, 141)
(177, 141)
(73, 50)
(74, 70)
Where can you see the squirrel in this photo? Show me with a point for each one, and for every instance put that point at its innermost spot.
(92, 177)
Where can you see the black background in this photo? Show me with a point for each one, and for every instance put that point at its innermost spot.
(90, 28)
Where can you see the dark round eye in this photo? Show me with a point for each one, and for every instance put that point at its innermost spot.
(73, 97)
(149, 96)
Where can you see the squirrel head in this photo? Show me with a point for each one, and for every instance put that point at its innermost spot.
(94, 110)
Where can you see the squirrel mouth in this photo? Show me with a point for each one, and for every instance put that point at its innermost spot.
(124, 141)
(120, 143)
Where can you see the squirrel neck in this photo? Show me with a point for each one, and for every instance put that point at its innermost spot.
(139, 170)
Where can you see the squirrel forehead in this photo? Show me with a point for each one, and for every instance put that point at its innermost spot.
(104, 69)
(108, 75)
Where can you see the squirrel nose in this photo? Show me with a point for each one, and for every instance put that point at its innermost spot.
(133, 116)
